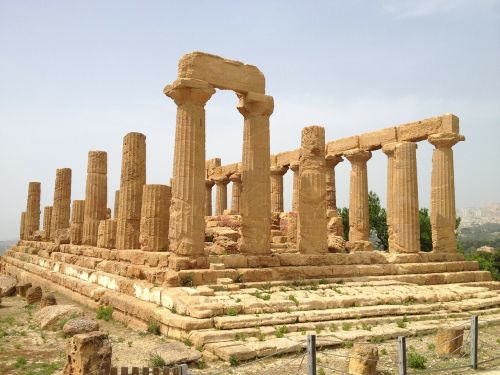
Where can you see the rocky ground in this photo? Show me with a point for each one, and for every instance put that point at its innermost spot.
(27, 349)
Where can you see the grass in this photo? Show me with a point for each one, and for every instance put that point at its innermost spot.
(233, 361)
(232, 311)
(241, 336)
(104, 313)
(347, 344)
(383, 351)
(321, 372)
(401, 323)
(332, 328)
(318, 330)
(280, 331)
(366, 327)
(431, 346)
(154, 328)
(187, 342)
(201, 364)
(30, 307)
(346, 326)
(376, 339)
(294, 299)
(323, 281)
(20, 362)
(156, 360)
(416, 360)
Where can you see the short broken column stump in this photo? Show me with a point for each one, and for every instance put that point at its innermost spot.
(89, 354)
(449, 341)
(363, 359)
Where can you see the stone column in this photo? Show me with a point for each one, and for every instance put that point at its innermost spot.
(32, 221)
(62, 201)
(133, 178)
(331, 196)
(277, 173)
(77, 218)
(155, 217)
(221, 195)
(405, 221)
(388, 149)
(95, 196)
(106, 237)
(22, 235)
(235, 193)
(312, 231)
(295, 194)
(117, 204)
(187, 223)
(208, 197)
(47, 218)
(359, 225)
(255, 201)
(443, 213)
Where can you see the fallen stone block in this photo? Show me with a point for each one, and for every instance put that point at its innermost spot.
(89, 354)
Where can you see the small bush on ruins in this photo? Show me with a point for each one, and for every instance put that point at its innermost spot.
(104, 313)
(201, 364)
(323, 281)
(366, 327)
(280, 331)
(416, 360)
(347, 344)
(401, 323)
(154, 328)
(187, 342)
(346, 326)
(20, 362)
(232, 311)
(156, 360)
(321, 372)
(294, 299)
(383, 351)
(233, 361)
(332, 328)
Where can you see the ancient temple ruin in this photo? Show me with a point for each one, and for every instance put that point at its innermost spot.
(170, 254)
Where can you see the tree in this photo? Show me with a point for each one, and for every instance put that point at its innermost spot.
(425, 229)
(378, 220)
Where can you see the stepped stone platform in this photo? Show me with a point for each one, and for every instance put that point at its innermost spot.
(237, 312)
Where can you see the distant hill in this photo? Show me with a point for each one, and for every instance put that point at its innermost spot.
(5, 245)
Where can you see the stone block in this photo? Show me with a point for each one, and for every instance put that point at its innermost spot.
(339, 146)
(33, 295)
(374, 140)
(419, 130)
(449, 341)
(89, 354)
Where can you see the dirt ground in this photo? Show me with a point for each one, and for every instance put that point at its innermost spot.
(25, 349)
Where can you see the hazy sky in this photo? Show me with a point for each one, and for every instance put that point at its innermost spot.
(77, 76)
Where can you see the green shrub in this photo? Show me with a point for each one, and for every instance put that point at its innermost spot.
(156, 360)
(280, 331)
(232, 311)
(332, 328)
(346, 326)
(20, 362)
(188, 342)
(201, 364)
(401, 323)
(294, 299)
(347, 344)
(321, 372)
(383, 351)
(416, 360)
(233, 361)
(154, 328)
(366, 327)
(104, 313)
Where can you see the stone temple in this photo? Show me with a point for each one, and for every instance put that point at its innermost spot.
(210, 272)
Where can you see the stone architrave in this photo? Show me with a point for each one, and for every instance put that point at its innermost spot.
(221, 194)
(32, 221)
(295, 193)
(22, 234)
(331, 195)
(116, 204)
(277, 173)
(312, 229)
(155, 215)
(235, 179)
(187, 224)
(77, 218)
(208, 197)
(388, 149)
(106, 237)
(62, 201)
(443, 212)
(95, 196)
(359, 224)
(133, 178)
(255, 200)
(47, 217)
(405, 216)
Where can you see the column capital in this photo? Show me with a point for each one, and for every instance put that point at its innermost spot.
(445, 140)
(389, 148)
(294, 167)
(209, 183)
(358, 156)
(278, 169)
(221, 180)
(189, 90)
(333, 160)
(235, 177)
(254, 104)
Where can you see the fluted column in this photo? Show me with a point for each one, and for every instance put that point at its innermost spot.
(22, 235)
(443, 213)
(312, 230)
(32, 221)
(296, 185)
(47, 218)
(106, 237)
(359, 224)
(95, 196)
(405, 220)
(221, 195)
(155, 217)
(388, 149)
(133, 178)
(117, 204)
(62, 201)
(255, 201)
(187, 224)
(235, 193)
(208, 197)
(77, 218)
(277, 173)
(331, 192)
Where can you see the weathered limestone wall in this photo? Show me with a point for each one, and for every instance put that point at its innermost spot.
(47, 217)
(62, 201)
(77, 218)
(133, 178)
(312, 230)
(155, 217)
(95, 196)
(106, 237)
(32, 221)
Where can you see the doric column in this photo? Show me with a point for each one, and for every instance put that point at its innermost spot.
(32, 221)
(133, 178)
(208, 197)
(388, 149)
(187, 224)
(221, 194)
(154, 217)
(77, 218)
(359, 224)
(312, 231)
(117, 204)
(443, 213)
(106, 237)
(331, 195)
(22, 235)
(235, 178)
(255, 201)
(296, 181)
(277, 172)
(62, 201)
(47, 218)
(405, 221)
(95, 196)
